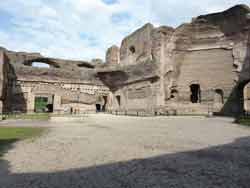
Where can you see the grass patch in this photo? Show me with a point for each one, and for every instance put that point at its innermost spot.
(39, 116)
(10, 135)
(243, 121)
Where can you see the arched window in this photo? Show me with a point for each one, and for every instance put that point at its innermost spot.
(40, 65)
(219, 96)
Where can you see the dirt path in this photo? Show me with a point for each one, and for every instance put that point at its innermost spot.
(111, 151)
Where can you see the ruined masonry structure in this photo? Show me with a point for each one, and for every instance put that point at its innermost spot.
(198, 67)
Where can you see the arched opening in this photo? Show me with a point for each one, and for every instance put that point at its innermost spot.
(40, 65)
(132, 49)
(174, 94)
(195, 93)
(219, 96)
(246, 97)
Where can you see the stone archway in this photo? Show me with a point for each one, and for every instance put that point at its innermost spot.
(218, 96)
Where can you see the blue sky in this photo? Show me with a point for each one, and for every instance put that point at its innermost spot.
(84, 29)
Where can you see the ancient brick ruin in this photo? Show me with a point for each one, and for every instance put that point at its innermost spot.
(198, 67)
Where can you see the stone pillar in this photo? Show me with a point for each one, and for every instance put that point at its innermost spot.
(161, 94)
(57, 103)
(111, 101)
(3, 80)
(31, 102)
(126, 99)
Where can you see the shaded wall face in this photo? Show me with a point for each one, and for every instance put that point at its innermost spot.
(141, 96)
(211, 69)
(207, 53)
(7, 77)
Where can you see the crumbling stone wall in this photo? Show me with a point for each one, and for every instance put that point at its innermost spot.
(211, 53)
(137, 47)
(72, 85)
(198, 67)
(213, 59)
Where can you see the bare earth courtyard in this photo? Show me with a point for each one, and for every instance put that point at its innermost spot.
(111, 151)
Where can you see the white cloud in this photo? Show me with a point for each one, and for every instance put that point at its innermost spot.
(175, 12)
(83, 29)
(57, 28)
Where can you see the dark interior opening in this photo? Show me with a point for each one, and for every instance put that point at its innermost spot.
(86, 65)
(50, 108)
(195, 93)
(132, 49)
(118, 98)
(174, 94)
(98, 108)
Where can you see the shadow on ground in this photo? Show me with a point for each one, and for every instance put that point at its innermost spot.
(5, 145)
(222, 166)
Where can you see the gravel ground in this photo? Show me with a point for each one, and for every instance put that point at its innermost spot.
(112, 151)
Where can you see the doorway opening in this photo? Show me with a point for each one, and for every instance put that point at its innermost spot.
(195, 93)
(98, 108)
(44, 104)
